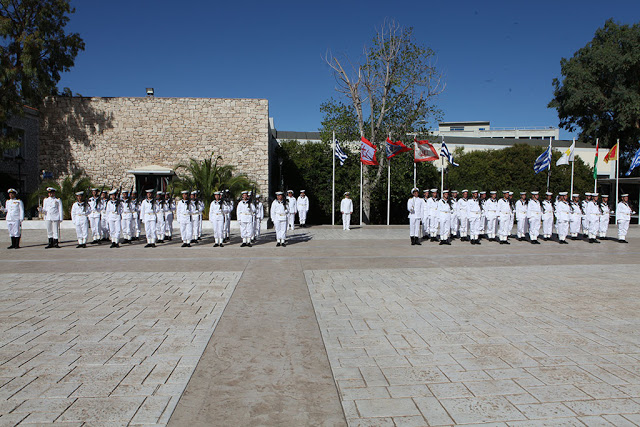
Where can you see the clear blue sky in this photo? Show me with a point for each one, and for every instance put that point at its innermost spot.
(498, 60)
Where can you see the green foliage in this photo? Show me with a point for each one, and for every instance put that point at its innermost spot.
(208, 177)
(65, 190)
(599, 91)
(34, 51)
(512, 169)
(309, 167)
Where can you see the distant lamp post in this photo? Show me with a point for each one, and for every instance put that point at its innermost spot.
(19, 160)
(280, 162)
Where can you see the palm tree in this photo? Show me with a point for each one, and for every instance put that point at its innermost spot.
(65, 190)
(208, 177)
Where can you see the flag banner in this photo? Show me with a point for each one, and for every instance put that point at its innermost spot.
(634, 163)
(368, 152)
(612, 154)
(595, 163)
(543, 161)
(567, 156)
(424, 151)
(444, 152)
(340, 154)
(395, 148)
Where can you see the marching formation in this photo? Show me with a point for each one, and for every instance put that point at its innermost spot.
(440, 219)
(119, 217)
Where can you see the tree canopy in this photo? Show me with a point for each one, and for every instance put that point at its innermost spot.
(34, 51)
(599, 92)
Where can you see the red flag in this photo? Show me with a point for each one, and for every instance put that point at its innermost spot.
(368, 152)
(424, 151)
(394, 148)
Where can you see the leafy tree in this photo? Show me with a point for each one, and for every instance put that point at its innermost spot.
(65, 190)
(391, 92)
(208, 177)
(34, 51)
(599, 92)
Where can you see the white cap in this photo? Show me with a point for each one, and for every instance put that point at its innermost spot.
(445, 191)
(216, 193)
(159, 193)
(483, 192)
(576, 194)
(12, 190)
(510, 193)
(505, 191)
(184, 192)
(95, 189)
(279, 193)
(562, 193)
(245, 192)
(302, 191)
(426, 190)
(534, 193)
(605, 195)
(194, 192)
(624, 195)
(49, 189)
(289, 191)
(523, 192)
(114, 191)
(79, 193)
(434, 190)
(454, 191)
(465, 191)
(494, 192)
(346, 193)
(549, 193)
(258, 196)
(474, 191)
(415, 189)
(148, 191)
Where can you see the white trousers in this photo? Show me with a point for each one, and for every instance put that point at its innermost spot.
(523, 225)
(464, 226)
(445, 226)
(53, 229)
(623, 227)
(534, 228)
(491, 227)
(126, 228)
(218, 229)
(563, 229)
(547, 226)
(425, 225)
(150, 231)
(281, 230)
(585, 225)
(346, 221)
(574, 226)
(503, 227)
(414, 227)
(168, 225)
(135, 226)
(291, 219)
(186, 231)
(95, 226)
(474, 227)
(604, 225)
(302, 215)
(246, 229)
(454, 225)
(227, 225)
(114, 230)
(199, 224)
(15, 230)
(159, 229)
(257, 227)
(82, 232)
(483, 223)
(104, 227)
(433, 225)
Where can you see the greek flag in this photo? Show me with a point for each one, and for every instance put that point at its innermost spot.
(340, 154)
(444, 152)
(634, 163)
(543, 161)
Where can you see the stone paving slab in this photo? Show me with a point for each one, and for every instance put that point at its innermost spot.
(103, 348)
(558, 345)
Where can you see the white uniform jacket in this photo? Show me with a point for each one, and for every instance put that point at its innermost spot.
(473, 209)
(491, 208)
(80, 213)
(279, 211)
(114, 210)
(504, 209)
(624, 212)
(346, 206)
(217, 211)
(563, 211)
(534, 210)
(521, 209)
(14, 209)
(52, 208)
(302, 203)
(245, 211)
(415, 206)
(183, 213)
(291, 201)
(147, 211)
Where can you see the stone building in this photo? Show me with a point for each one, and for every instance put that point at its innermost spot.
(109, 138)
(19, 166)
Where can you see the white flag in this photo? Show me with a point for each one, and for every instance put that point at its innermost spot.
(567, 156)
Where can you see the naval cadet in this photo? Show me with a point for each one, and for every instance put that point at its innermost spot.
(603, 226)
(576, 216)
(279, 215)
(474, 214)
(292, 209)
(462, 215)
(415, 208)
(53, 215)
(302, 205)
(563, 217)
(346, 209)
(114, 218)
(504, 218)
(258, 217)
(183, 212)
(624, 217)
(80, 212)
(148, 217)
(217, 214)
(14, 208)
(244, 213)
(547, 216)
(534, 217)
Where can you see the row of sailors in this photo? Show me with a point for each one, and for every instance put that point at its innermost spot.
(473, 217)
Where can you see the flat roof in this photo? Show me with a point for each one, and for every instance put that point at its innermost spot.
(464, 123)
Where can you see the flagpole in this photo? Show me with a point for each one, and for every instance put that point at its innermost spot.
(595, 177)
(572, 163)
(333, 191)
(389, 187)
(549, 168)
(441, 169)
(361, 190)
(617, 175)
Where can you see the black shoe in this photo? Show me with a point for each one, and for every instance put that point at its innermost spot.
(534, 242)
(596, 241)
(478, 242)
(55, 243)
(221, 245)
(159, 241)
(413, 242)
(127, 241)
(622, 241)
(425, 237)
(153, 245)
(243, 245)
(84, 245)
(193, 241)
(117, 245)
(113, 245)
(50, 245)
(278, 244)
(216, 245)
(13, 243)
(18, 243)
(443, 242)
(249, 244)
(188, 245)
(506, 242)
(148, 245)
(79, 246)
(284, 245)
(418, 241)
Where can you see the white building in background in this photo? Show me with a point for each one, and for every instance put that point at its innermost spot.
(484, 130)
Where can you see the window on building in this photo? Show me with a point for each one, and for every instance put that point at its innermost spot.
(456, 128)
(481, 129)
(13, 133)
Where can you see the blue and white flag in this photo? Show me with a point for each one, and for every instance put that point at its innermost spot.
(543, 161)
(634, 163)
(444, 152)
(340, 154)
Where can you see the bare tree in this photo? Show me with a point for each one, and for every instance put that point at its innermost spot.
(397, 80)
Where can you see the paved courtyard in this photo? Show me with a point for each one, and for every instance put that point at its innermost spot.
(356, 328)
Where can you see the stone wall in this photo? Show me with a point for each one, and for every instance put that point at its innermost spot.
(28, 171)
(109, 136)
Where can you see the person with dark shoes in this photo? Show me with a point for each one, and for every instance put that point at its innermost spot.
(14, 208)
(415, 206)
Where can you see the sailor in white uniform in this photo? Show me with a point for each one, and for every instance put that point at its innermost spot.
(534, 216)
(302, 205)
(127, 217)
(585, 218)
(160, 221)
(474, 214)
(491, 213)
(604, 218)
(279, 215)
(258, 217)
(576, 217)
(148, 217)
(95, 203)
(455, 221)
(80, 212)
(135, 217)
(504, 218)
(593, 218)
(462, 215)
(114, 218)
(244, 213)
(624, 217)
(183, 213)
(14, 208)
(415, 206)
(521, 216)
(169, 209)
(217, 214)
(104, 222)
(228, 200)
(346, 209)
(563, 217)
(444, 209)
(547, 216)
(291, 206)
(53, 215)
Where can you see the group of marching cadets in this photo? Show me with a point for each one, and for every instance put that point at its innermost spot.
(444, 218)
